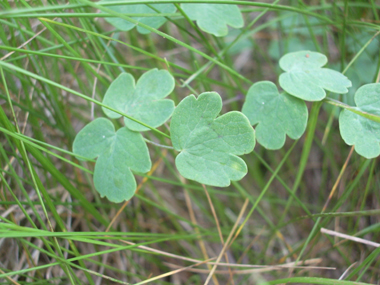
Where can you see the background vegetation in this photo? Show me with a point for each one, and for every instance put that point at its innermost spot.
(55, 229)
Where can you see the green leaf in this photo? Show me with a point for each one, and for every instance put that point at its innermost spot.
(118, 153)
(277, 115)
(154, 22)
(142, 101)
(304, 78)
(209, 145)
(214, 18)
(359, 131)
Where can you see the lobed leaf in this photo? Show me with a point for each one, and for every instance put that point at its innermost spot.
(214, 18)
(118, 153)
(154, 22)
(209, 146)
(358, 130)
(276, 114)
(304, 78)
(142, 101)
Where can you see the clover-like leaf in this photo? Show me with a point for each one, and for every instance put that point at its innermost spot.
(275, 114)
(306, 79)
(154, 22)
(214, 18)
(142, 101)
(118, 153)
(209, 146)
(358, 130)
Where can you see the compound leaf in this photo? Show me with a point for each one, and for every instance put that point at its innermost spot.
(306, 79)
(214, 18)
(209, 146)
(142, 101)
(277, 115)
(118, 153)
(358, 130)
(154, 22)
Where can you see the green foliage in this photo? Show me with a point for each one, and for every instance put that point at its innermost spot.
(142, 101)
(214, 18)
(359, 131)
(154, 22)
(276, 114)
(51, 210)
(305, 79)
(118, 153)
(209, 146)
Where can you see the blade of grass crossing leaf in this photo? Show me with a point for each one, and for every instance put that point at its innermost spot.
(305, 153)
(77, 94)
(225, 50)
(195, 27)
(102, 8)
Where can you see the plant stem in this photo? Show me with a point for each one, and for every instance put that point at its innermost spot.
(157, 144)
